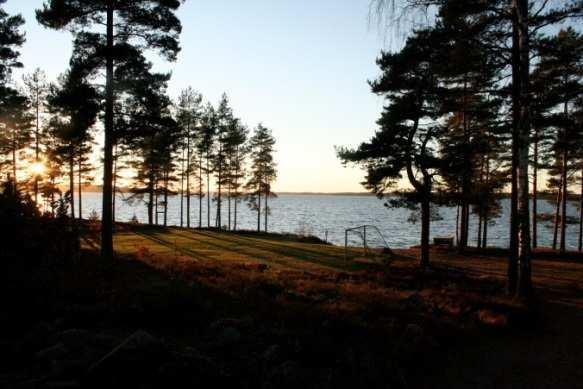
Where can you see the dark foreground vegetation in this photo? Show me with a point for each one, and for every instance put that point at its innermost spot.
(217, 309)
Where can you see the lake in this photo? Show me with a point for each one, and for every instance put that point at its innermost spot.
(332, 214)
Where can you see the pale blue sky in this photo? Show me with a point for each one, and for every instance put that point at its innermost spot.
(298, 66)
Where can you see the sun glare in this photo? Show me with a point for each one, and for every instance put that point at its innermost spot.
(37, 168)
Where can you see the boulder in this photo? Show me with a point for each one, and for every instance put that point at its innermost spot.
(492, 319)
(140, 354)
(52, 353)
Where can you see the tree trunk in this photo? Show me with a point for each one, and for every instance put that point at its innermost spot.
(512, 271)
(37, 146)
(581, 214)
(259, 210)
(565, 198)
(188, 156)
(229, 206)
(72, 186)
(151, 200)
(182, 191)
(106, 218)
(485, 234)
(14, 146)
(564, 171)
(114, 189)
(208, 190)
(219, 200)
(425, 220)
(535, 192)
(200, 193)
(80, 190)
(165, 198)
(266, 209)
(524, 284)
(479, 237)
(457, 225)
(557, 213)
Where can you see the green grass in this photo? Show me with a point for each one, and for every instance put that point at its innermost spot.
(279, 251)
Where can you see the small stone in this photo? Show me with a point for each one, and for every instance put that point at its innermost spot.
(52, 353)
(492, 319)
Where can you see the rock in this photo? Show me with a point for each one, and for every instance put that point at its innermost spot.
(288, 375)
(414, 302)
(229, 336)
(272, 355)
(240, 324)
(138, 354)
(57, 351)
(492, 319)
(62, 385)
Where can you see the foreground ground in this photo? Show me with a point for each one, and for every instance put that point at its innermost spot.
(185, 307)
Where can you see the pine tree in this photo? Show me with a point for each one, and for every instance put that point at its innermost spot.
(74, 106)
(237, 151)
(403, 142)
(14, 122)
(262, 172)
(189, 111)
(223, 118)
(562, 67)
(129, 24)
(206, 150)
(37, 89)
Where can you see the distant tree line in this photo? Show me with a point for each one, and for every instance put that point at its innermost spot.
(477, 97)
(160, 148)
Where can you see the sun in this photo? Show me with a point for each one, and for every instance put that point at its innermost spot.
(37, 168)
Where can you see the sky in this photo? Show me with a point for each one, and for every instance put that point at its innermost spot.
(300, 67)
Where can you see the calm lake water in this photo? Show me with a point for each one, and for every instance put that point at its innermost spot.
(332, 214)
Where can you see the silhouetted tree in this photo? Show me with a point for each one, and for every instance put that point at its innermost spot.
(262, 172)
(74, 105)
(37, 89)
(128, 24)
(189, 111)
(403, 142)
(14, 122)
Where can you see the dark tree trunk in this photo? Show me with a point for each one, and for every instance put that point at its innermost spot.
(72, 186)
(151, 200)
(37, 147)
(485, 234)
(182, 191)
(259, 210)
(200, 193)
(266, 209)
(557, 213)
(80, 190)
(513, 257)
(229, 207)
(208, 190)
(219, 200)
(114, 189)
(106, 219)
(165, 198)
(14, 145)
(425, 220)
(479, 237)
(535, 192)
(188, 195)
(457, 225)
(524, 284)
(581, 214)
(564, 172)
(565, 197)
